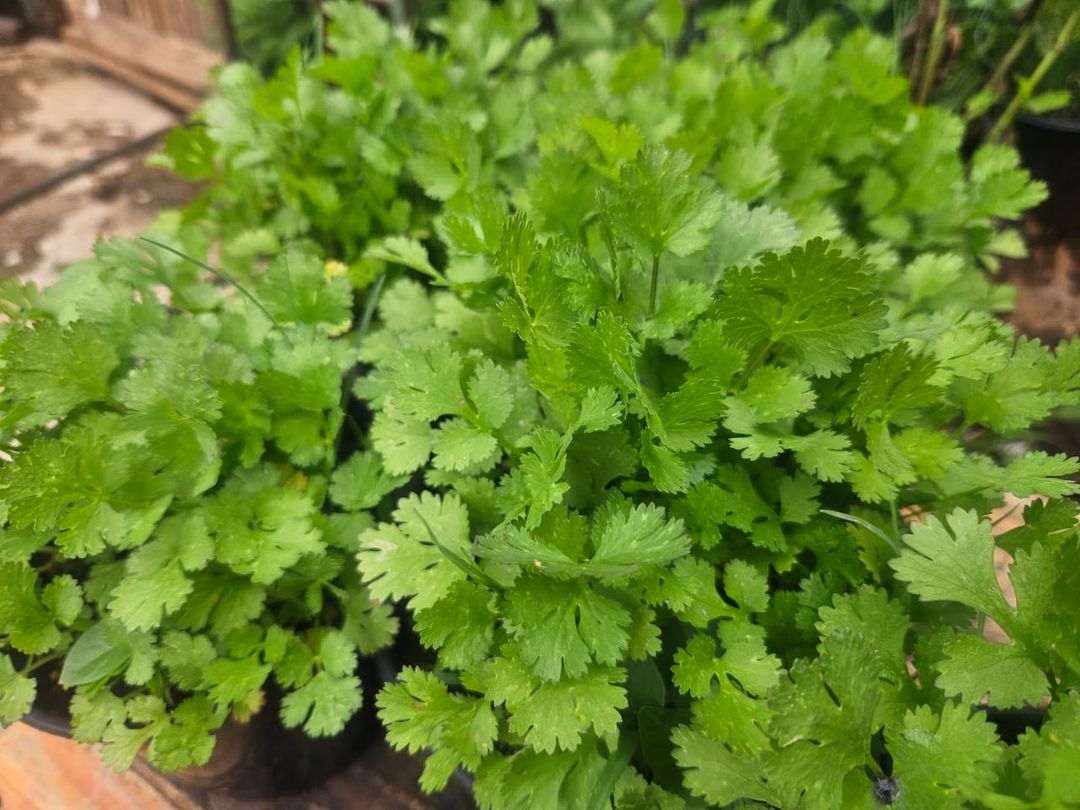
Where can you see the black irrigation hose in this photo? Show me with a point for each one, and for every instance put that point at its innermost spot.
(51, 182)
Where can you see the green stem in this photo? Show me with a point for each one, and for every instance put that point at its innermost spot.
(893, 543)
(920, 51)
(1025, 90)
(997, 78)
(764, 350)
(655, 280)
(613, 770)
(246, 292)
(40, 662)
(937, 43)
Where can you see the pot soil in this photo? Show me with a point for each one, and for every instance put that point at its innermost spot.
(256, 760)
(1049, 147)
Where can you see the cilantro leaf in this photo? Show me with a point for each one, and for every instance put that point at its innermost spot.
(17, 693)
(942, 562)
(419, 712)
(562, 626)
(941, 759)
(820, 305)
(416, 559)
(322, 705)
(54, 369)
(296, 289)
(360, 482)
(553, 716)
(974, 666)
(659, 206)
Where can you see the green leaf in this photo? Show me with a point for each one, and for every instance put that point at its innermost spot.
(461, 625)
(420, 713)
(952, 562)
(360, 482)
(188, 740)
(102, 651)
(458, 445)
(404, 442)
(562, 626)
(297, 289)
(715, 773)
(554, 716)
(697, 668)
(55, 369)
(627, 539)
(491, 390)
(186, 658)
(17, 693)
(323, 705)
(880, 620)
(818, 304)
(156, 582)
(1048, 758)
(260, 527)
(404, 562)
(29, 624)
(823, 720)
(943, 759)
(231, 680)
(973, 666)
(660, 206)
(93, 713)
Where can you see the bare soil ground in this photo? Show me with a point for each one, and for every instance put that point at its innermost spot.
(55, 113)
(1048, 285)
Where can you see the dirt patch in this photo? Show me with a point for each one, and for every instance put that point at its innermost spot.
(1048, 287)
(48, 232)
(56, 112)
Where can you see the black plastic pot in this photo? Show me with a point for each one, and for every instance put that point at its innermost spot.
(1011, 723)
(1049, 147)
(260, 759)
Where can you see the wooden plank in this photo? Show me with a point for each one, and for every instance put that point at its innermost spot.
(39, 771)
(176, 98)
(182, 62)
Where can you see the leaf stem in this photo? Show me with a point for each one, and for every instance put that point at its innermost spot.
(754, 363)
(937, 43)
(220, 274)
(40, 662)
(997, 78)
(655, 280)
(613, 770)
(866, 524)
(1025, 89)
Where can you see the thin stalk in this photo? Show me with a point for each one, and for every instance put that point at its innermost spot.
(997, 78)
(244, 290)
(920, 48)
(754, 363)
(40, 662)
(937, 43)
(870, 527)
(652, 287)
(1023, 93)
(614, 768)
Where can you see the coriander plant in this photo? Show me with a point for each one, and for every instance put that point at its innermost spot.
(705, 512)
(180, 510)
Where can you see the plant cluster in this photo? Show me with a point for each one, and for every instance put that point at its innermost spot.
(373, 137)
(181, 511)
(703, 514)
(662, 385)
